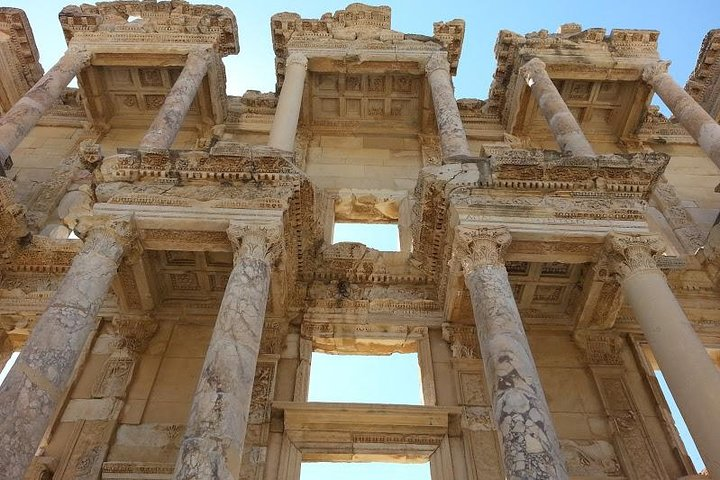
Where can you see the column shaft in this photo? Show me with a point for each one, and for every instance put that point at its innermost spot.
(528, 441)
(562, 123)
(453, 140)
(693, 378)
(213, 442)
(26, 112)
(287, 113)
(39, 378)
(698, 123)
(169, 119)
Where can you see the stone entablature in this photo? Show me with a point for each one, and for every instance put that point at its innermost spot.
(19, 57)
(362, 31)
(704, 83)
(158, 22)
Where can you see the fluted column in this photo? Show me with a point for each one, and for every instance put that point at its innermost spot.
(528, 442)
(26, 112)
(698, 123)
(287, 113)
(562, 123)
(453, 140)
(693, 378)
(213, 442)
(40, 376)
(169, 119)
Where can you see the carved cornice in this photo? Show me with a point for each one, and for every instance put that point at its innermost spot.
(164, 21)
(258, 242)
(704, 83)
(359, 28)
(481, 247)
(512, 50)
(630, 254)
(24, 63)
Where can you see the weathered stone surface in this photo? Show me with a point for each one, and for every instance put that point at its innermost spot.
(528, 440)
(23, 116)
(453, 140)
(213, 442)
(42, 373)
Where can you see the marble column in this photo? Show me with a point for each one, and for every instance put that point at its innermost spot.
(562, 123)
(698, 123)
(26, 112)
(40, 376)
(693, 378)
(529, 445)
(213, 442)
(453, 141)
(287, 113)
(169, 119)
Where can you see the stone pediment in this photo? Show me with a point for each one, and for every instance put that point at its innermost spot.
(18, 55)
(358, 31)
(158, 22)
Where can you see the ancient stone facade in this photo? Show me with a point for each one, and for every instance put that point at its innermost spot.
(558, 245)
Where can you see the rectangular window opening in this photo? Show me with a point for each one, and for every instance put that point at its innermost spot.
(335, 471)
(380, 236)
(386, 379)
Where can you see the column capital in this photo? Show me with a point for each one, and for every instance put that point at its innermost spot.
(628, 254)
(134, 331)
(98, 230)
(437, 61)
(79, 54)
(261, 242)
(297, 58)
(653, 71)
(204, 53)
(483, 246)
(533, 67)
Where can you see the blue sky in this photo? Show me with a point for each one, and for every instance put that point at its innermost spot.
(682, 26)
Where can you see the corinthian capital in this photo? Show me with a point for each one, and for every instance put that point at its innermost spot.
(296, 58)
(484, 246)
(103, 231)
(651, 73)
(628, 254)
(532, 68)
(438, 61)
(261, 242)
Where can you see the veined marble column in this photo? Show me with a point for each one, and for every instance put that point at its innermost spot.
(287, 113)
(41, 374)
(453, 140)
(23, 116)
(529, 445)
(564, 127)
(699, 124)
(693, 378)
(213, 442)
(169, 119)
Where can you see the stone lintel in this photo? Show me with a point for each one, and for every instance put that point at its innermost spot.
(182, 228)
